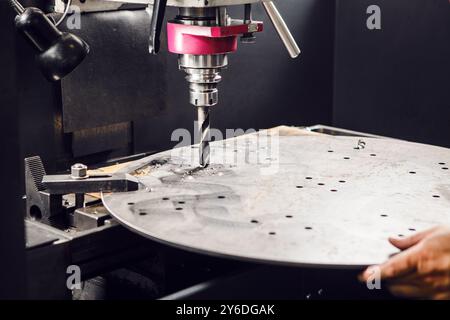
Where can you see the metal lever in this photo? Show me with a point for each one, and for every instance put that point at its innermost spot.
(159, 10)
(282, 29)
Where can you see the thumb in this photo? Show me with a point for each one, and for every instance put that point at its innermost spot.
(405, 243)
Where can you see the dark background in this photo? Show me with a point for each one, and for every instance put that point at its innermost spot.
(122, 101)
(394, 81)
(12, 253)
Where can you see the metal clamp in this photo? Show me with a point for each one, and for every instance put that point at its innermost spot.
(44, 193)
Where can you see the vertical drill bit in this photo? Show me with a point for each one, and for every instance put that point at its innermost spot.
(204, 133)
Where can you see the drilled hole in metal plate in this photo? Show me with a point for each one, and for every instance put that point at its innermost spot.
(321, 184)
(333, 190)
(308, 228)
(412, 229)
(384, 215)
(330, 151)
(254, 221)
(436, 196)
(299, 187)
(373, 155)
(347, 158)
(221, 197)
(342, 181)
(130, 203)
(412, 172)
(179, 208)
(289, 216)
(181, 202)
(444, 168)
(442, 163)
(165, 199)
(272, 233)
(401, 236)
(308, 178)
(142, 213)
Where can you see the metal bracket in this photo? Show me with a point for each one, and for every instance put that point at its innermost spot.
(111, 5)
(64, 184)
(100, 5)
(44, 193)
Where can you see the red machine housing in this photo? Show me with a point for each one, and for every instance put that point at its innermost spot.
(204, 40)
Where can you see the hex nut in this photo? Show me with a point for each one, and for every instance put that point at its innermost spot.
(79, 171)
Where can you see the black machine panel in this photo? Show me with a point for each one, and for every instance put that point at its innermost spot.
(119, 81)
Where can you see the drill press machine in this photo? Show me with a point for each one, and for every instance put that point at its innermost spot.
(202, 34)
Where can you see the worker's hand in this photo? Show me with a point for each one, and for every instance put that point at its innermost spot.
(422, 269)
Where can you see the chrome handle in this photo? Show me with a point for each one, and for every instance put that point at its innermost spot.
(282, 29)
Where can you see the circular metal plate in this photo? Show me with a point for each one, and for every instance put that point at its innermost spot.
(310, 200)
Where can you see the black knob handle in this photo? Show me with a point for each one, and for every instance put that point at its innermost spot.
(60, 52)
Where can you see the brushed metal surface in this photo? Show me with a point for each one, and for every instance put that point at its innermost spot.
(315, 200)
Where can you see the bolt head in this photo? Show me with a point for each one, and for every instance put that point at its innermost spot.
(78, 171)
